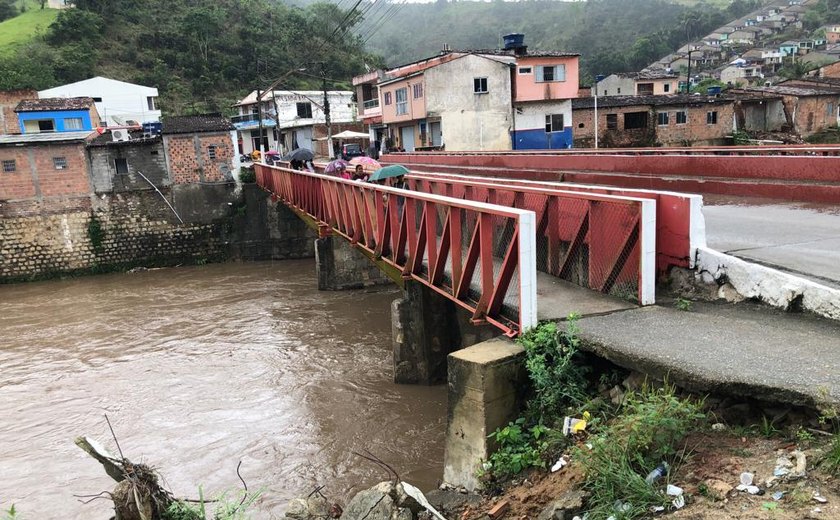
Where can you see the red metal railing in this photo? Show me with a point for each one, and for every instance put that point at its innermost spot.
(805, 149)
(481, 256)
(602, 242)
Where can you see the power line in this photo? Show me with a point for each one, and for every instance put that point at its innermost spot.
(397, 6)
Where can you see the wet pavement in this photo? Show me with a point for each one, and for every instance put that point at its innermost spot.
(199, 368)
(802, 239)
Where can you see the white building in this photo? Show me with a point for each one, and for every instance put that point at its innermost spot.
(118, 102)
(300, 114)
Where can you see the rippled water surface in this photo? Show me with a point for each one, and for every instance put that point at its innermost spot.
(198, 368)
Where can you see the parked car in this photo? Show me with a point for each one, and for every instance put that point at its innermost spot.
(348, 151)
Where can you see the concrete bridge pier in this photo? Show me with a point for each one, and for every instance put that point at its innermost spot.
(340, 266)
(426, 327)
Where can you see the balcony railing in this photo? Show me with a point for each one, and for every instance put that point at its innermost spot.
(371, 103)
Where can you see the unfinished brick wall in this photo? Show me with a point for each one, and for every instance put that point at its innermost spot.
(36, 173)
(814, 113)
(830, 71)
(189, 157)
(695, 131)
(9, 99)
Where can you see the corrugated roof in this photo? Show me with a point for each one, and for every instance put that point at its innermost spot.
(46, 137)
(49, 104)
(196, 124)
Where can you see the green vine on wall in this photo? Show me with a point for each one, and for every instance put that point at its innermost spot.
(96, 234)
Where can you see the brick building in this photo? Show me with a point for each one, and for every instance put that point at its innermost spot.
(9, 100)
(807, 109)
(678, 120)
(199, 149)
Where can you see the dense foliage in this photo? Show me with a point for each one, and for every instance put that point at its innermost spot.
(202, 54)
(611, 35)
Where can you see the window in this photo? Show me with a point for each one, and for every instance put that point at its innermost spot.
(60, 163)
(402, 101)
(666, 87)
(153, 152)
(121, 165)
(681, 117)
(711, 118)
(553, 123)
(525, 70)
(211, 152)
(480, 85)
(418, 90)
(46, 125)
(619, 90)
(304, 110)
(9, 166)
(387, 98)
(551, 73)
(97, 100)
(644, 89)
(612, 121)
(634, 120)
(662, 119)
(830, 109)
(73, 123)
(151, 102)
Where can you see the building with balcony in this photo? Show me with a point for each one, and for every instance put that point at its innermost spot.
(293, 119)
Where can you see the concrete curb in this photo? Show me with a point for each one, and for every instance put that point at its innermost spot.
(776, 288)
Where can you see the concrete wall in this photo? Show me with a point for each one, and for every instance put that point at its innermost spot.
(768, 116)
(341, 266)
(471, 121)
(146, 157)
(530, 132)
(615, 85)
(529, 89)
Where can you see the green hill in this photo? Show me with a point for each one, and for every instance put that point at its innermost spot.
(22, 29)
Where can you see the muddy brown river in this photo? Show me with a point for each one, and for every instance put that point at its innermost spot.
(199, 368)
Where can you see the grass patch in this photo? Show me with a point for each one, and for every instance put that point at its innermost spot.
(825, 136)
(831, 461)
(24, 28)
(645, 433)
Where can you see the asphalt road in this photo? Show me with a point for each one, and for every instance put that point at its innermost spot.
(803, 239)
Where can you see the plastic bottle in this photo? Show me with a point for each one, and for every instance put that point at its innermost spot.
(658, 472)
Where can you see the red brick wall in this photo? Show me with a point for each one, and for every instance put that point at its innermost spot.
(814, 113)
(831, 71)
(73, 180)
(187, 166)
(694, 132)
(8, 101)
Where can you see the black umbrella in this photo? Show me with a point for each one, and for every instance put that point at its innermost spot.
(301, 154)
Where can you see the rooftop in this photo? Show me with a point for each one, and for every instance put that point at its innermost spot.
(783, 90)
(49, 104)
(51, 137)
(195, 124)
(105, 139)
(665, 100)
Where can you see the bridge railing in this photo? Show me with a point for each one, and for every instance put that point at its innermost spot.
(807, 149)
(603, 242)
(481, 256)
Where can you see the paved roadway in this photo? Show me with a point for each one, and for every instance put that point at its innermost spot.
(800, 238)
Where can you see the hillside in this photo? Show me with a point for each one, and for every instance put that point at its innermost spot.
(611, 35)
(25, 27)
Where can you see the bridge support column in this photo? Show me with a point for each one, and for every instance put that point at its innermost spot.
(340, 266)
(427, 326)
(485, 393)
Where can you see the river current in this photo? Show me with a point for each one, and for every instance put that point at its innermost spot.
(199, 368)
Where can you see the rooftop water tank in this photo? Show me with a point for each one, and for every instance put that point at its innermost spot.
(514, 40)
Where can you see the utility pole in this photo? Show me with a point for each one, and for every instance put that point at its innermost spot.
(598, 79)
(330, 153)
(688, 77)
(259, 116)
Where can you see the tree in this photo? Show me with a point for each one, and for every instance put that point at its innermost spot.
(7, 9)
(74, 26)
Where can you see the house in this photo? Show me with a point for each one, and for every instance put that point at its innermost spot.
(832, 33)
(199, 149)
(789, 48)
(9, 100)
(746, 35)
(57, 115)
(675, 120)
(807, 109)
(644, 83)
(371, 112)
(119, 103)
(36, 167)
(494, 99)
(740, 73)
(831, 70)
(116, 165)
(293, 119)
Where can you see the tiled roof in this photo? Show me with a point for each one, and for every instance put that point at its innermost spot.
(784, 90)
(196, 124)
(49, 104)
(106, 139)
(46, 137)
(629, 101)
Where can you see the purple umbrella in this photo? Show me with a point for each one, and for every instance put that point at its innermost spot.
(335, 167)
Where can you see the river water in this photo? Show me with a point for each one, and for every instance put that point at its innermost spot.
(199, 368)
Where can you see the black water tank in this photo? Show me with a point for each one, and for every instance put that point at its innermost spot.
(514, 40)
